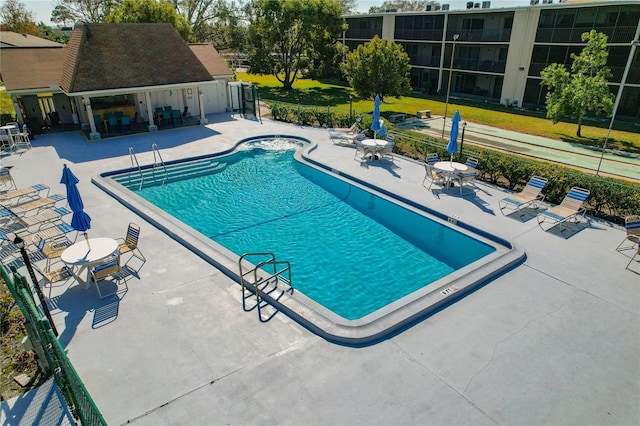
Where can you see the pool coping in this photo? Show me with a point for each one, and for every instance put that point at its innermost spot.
(375, 327)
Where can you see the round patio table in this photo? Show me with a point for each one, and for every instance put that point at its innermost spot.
(372, 146)
(449, 169)
(86, 253)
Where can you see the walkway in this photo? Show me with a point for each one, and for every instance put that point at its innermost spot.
(614, 163)
(554, 341)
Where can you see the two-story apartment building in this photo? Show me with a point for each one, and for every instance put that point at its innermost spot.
(498, 53)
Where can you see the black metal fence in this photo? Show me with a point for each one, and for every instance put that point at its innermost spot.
(51, 355)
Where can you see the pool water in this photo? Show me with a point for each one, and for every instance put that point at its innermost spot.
(350, 250)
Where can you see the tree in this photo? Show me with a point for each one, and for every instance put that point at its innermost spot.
(585, 89)
(379, 67)
(348, 6)
(403, 5)
(51, 34)
(62, 14)
(228, 28)
(87, 11)
(198, 14)
(15, 17)
(282, 33)
(326, 61)
(149, 11)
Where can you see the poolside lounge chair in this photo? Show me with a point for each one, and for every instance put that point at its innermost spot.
(632, 227)
(345, 135)
(355, 128)
(129, 244)
(571, 208)
(57, 232)
(109, 268)
(530, 194)
(44, 217)
(431, 174)
(37, 205)
(23, 195)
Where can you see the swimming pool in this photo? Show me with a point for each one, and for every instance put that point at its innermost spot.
(356, 256)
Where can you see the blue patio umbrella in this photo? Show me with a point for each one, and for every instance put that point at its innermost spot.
(452, 146)
(376, 124)
(80, 221)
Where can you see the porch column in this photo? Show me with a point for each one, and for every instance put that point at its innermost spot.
(151, 127)
(203, 120)
(77, 106)
(92, 125)
(16, 106)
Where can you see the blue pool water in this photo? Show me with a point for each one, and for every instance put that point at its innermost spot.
(350, 250)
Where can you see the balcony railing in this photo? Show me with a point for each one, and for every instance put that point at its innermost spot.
(633, 77)
(418, 34)
(424, 60)
(363, 34)
(483, 35)
(470, 64)
(574, 35)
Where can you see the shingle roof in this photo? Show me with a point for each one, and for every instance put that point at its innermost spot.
(11, 39)
(209, 56)
(113, 56)
(31, 68)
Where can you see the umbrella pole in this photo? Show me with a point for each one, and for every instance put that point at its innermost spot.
(86, 237)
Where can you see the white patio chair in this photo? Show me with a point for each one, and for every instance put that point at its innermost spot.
(468, 176)
(110, 267)
(387, 151)
(433, 176)
(360, 149)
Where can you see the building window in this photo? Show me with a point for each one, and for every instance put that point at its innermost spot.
(364, 28)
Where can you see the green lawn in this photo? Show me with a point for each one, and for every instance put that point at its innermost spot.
(336, 94)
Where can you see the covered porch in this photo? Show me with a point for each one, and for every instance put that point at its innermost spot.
(108, 113)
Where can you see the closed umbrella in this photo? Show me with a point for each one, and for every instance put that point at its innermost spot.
(80, 221)
(376, 124)
(452, 146)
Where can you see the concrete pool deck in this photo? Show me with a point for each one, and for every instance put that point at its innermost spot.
(554, 341)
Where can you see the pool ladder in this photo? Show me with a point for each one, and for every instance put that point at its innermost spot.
(158, 162)
(134, 161)
(264, 280)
